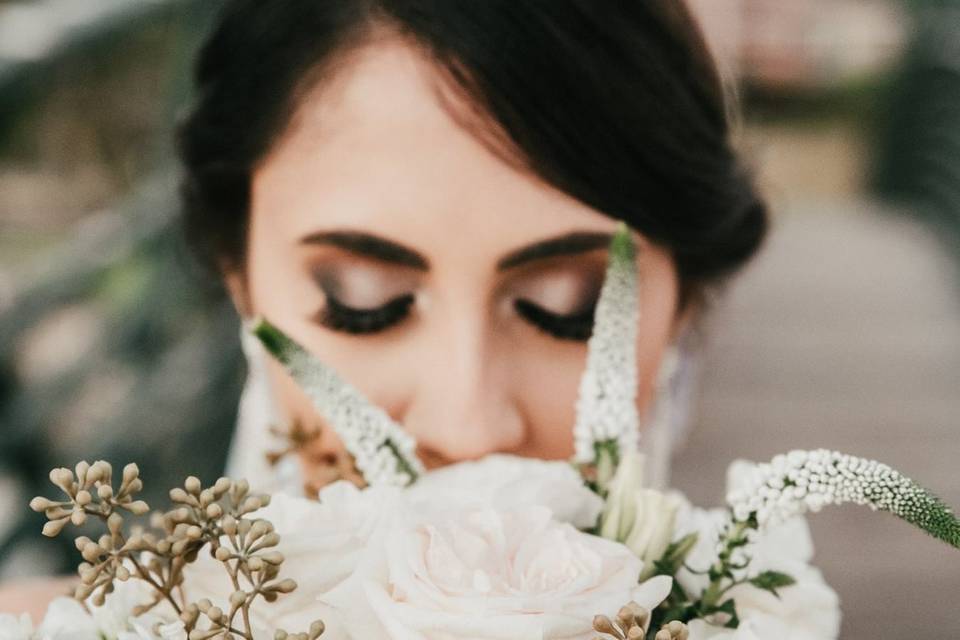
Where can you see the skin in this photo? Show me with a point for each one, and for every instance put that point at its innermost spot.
(374, 150)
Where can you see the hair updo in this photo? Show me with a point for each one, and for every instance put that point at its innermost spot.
(616, 103)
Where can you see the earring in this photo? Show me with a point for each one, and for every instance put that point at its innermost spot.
(661, 421)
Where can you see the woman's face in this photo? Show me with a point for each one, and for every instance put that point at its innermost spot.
(453, 290)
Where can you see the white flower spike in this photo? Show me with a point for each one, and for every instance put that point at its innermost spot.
(606, 405)
(802, 481)
(382, 450)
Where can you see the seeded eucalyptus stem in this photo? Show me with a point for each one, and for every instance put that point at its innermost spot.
(201, 519)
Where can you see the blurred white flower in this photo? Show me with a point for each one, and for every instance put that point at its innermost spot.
(643, 519)
(15, 627)
(807, 610)
(152, 627)
(504, 482)
(66, 620)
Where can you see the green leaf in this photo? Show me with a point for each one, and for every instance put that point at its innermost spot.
(730, 608)
(771, 581)
(676, 554)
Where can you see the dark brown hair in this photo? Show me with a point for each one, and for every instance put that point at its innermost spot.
(615, 102)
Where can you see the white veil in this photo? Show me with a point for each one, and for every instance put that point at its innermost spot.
(252, 438)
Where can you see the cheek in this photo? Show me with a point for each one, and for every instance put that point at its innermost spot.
(547, 382)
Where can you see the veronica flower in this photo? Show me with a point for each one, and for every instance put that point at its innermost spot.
(382, 450)
(803, 481)
(606, 405)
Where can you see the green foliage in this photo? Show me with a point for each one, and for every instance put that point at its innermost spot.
(771, 581)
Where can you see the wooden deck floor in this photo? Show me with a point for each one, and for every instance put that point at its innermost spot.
(845, 334)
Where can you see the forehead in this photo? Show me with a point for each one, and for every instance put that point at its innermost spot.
(373, 147)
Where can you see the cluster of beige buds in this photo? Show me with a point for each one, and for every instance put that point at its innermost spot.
(216, 518)
(632, 623)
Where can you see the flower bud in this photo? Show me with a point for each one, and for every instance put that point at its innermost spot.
(652, 531)
(237, 598)
(40, 503)
(221, 486)
(642, 519)
(137, 507)
(91, 552)
(190, 615)
(54, 527)
(229, 525)
(284, 586)
(130, 472)
(115, 523)
(82, 592)
(192, 485)
(619, 514)
(63, 478)
(81, 469)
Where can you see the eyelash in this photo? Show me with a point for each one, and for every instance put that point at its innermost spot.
(577, 326)
(340, 317)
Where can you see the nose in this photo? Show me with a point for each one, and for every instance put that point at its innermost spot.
(461, 405)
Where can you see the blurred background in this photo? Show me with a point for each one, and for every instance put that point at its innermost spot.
(844, 333)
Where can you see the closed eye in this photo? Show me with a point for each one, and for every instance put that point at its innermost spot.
(339, 317)
(577, 326)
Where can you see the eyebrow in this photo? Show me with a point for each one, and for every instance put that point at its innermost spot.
(379, 248)
(565, 245)
(369, 245)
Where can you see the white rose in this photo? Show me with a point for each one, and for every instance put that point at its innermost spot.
(485, 574)
(504, 482)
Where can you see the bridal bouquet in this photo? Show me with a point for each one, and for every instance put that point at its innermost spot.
(499, 548)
